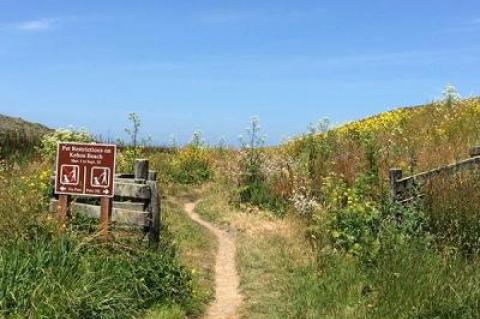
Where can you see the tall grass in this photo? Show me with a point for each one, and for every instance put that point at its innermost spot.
(62, 278)
(47, 275)
(453, 203)
(409, 281)
(415, 281)
(18, 145)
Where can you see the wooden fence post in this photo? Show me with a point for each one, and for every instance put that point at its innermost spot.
(395, 175)
(152, 175)
(154, 209)
(141, 169)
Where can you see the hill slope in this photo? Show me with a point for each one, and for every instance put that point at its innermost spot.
(414, 139)
(8, 125)
(18, 137)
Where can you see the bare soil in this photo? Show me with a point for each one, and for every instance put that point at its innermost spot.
(227, 294)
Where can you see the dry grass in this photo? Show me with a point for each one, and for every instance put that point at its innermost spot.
(268, 262)
(271, 254)
(18, 137)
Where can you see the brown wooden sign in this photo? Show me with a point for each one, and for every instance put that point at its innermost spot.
(85, 169)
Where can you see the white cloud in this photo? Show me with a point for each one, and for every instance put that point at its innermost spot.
(36, 25)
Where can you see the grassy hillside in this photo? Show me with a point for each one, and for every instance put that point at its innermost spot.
(15, 124)
(18, 136)
(413, 139)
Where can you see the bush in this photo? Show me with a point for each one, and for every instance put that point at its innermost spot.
(48, 147)
(256, 191)
(125, 161)
(352, 222)
(192, 163)
(255, 188)
(161, 162)
(409, 279)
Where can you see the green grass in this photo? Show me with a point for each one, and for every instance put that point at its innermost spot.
(48, 277)
(281, 282)
(166, 312)
(414, 281)
(410, 281)
(195, 247)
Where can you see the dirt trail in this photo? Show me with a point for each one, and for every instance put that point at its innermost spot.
(227, 295)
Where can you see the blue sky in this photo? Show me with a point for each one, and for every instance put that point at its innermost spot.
(211, 65)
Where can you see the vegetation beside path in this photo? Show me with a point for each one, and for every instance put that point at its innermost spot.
(195, 247)
(45, 274)
(50, 275)
(272, 258)
(282, 277)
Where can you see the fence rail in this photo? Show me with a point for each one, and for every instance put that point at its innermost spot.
(402, 189)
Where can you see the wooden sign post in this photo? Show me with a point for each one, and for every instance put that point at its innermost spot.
(105, 213)
(85, 170)
(62, 211)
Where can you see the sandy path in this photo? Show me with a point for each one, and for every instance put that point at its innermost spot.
(227, 295)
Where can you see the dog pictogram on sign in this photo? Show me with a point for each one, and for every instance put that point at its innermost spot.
(100, 177)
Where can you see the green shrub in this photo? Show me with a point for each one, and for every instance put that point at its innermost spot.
(125, 161)
(350, 220)
(161, 162)
(314, 155)
(192, 163)
(48, 147)
(255, 188)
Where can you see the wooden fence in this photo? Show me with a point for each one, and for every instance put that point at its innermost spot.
(136, 202)
(406, 189)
